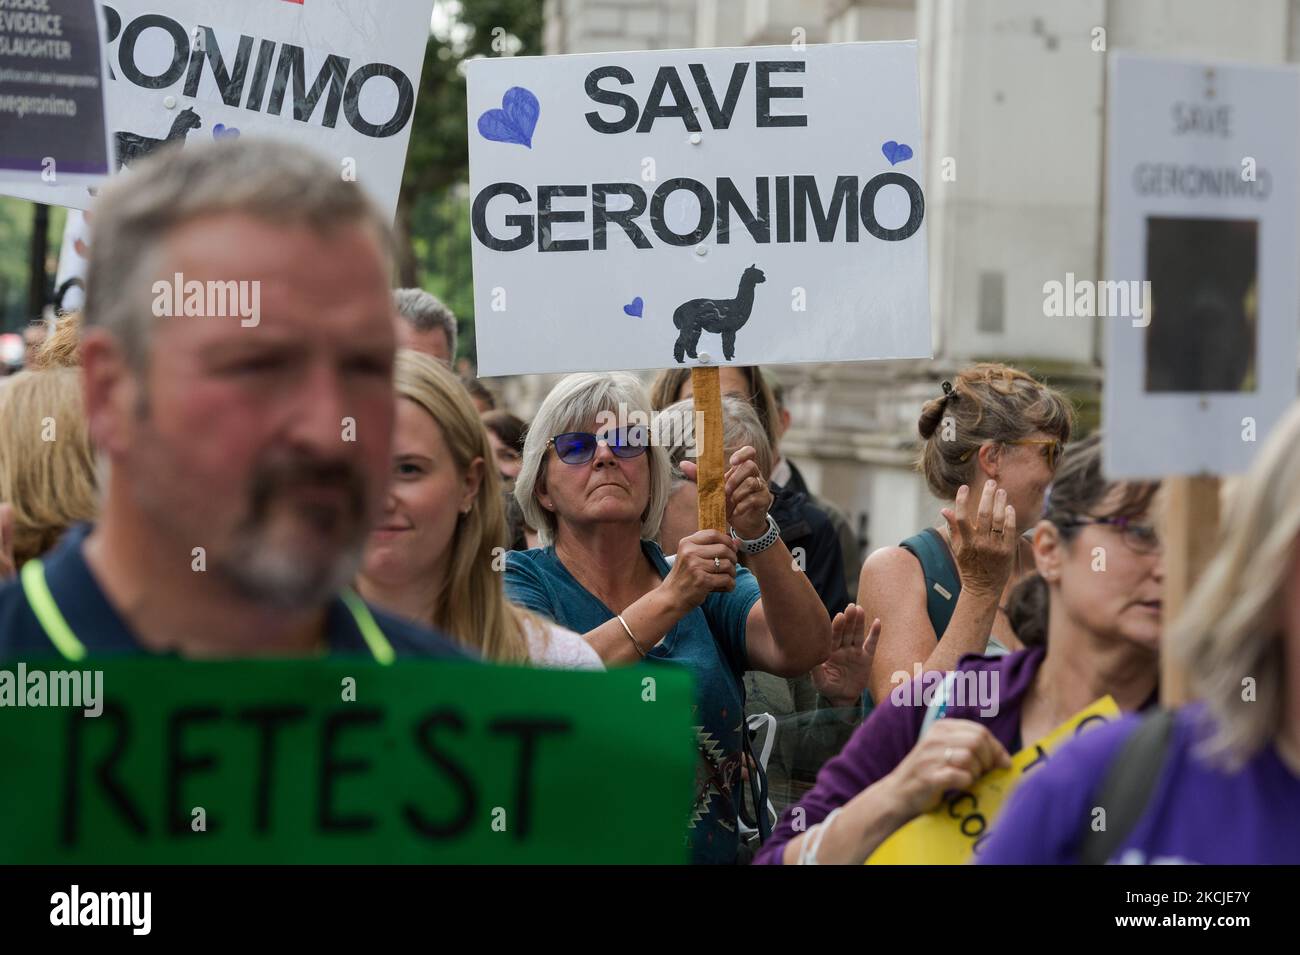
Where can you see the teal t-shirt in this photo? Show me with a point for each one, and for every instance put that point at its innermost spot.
(709, 641)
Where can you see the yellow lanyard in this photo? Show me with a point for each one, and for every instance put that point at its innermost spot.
(65, 641)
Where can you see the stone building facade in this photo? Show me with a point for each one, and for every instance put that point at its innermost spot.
(1013, 94)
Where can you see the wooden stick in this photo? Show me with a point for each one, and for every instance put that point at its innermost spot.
(1190, 530)
(712, 467)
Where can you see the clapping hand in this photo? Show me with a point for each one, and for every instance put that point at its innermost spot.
(842, 678)
(984, 544)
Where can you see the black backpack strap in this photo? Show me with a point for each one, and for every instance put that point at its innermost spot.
(942, 582)
(1127, 787)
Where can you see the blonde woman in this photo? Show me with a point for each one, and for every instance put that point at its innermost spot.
(436, 555)
(1218, 781)
(47, 468)
(994, 436)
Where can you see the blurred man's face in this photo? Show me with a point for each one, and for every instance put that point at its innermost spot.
(432, 343)
(268, 445)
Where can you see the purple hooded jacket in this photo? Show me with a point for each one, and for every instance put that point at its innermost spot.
(892, 729)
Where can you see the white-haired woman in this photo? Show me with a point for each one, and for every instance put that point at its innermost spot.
(595, 488)
(1218, 781)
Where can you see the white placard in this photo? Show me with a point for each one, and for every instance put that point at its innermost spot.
(1201, 203)
(752, 205)
(337, 76)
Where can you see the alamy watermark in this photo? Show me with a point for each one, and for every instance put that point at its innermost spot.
(1087, 299)
(968, 688)
(62, 688)
(212, 299)
(129, 909)
(668, 429)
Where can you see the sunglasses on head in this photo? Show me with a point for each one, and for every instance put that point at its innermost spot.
(579, 447)
(1051, 448)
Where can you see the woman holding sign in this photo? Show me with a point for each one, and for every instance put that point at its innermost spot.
(995, 437)
(595, 486)
(1218, 781)
(934, 735)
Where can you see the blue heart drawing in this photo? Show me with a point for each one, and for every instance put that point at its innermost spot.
(222, 131)
(515, 121)
(896, 152)
(636, 308)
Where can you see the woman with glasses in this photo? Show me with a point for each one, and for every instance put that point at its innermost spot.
(1221, 775)
(434, 555)
(595, 486)
(1097, 595)
(992, 442)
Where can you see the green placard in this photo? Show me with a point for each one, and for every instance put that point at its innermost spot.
(431, 762)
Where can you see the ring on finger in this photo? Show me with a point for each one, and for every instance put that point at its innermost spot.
(947, 755)
(717, 563)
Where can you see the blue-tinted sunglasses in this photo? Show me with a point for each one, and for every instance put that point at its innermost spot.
(579, 447)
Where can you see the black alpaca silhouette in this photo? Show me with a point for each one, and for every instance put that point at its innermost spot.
(722, 316)
(133, 146)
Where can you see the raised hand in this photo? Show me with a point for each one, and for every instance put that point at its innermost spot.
(842, 679)
(748, 496)
(983, 544)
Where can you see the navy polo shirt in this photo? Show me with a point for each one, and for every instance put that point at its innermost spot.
(98, 626)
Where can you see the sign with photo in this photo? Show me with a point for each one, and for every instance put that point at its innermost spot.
(1201, 212)
(698, 207)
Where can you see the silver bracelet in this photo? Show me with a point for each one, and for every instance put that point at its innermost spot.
(812, 842)
(628, 631)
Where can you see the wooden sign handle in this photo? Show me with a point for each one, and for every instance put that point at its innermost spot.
(711, 465)
(1191, 530)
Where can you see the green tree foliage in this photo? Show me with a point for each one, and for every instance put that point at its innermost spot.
(438, 158)
(15, 260)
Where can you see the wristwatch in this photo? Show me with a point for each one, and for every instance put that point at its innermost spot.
(757, 546)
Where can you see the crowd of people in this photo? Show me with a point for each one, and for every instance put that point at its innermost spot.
(325, 483)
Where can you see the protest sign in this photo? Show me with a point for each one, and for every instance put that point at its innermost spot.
(953, 831)
(698, 207)
(349, 761)
(338, 77)
(53, 80)
(1201, 207)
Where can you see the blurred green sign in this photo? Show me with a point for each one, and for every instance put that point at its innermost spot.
(340, 761)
